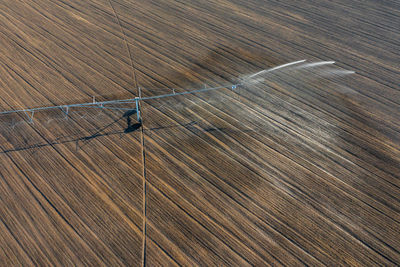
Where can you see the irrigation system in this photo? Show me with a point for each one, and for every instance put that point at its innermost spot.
(103, 104)
(30, 112)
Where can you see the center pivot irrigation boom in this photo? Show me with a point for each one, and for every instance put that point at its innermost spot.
(253, 78)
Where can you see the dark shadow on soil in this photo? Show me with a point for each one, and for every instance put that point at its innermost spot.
(81, 141)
